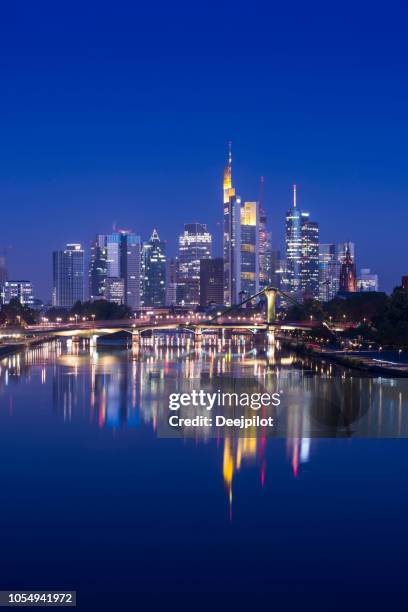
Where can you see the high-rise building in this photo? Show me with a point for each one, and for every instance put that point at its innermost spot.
(154, 271)
(329, 272)
(404, 282)
(131, 267)
(302, 253)
(348, 274)
(211, 281)
(171, 281)
(116, 255)
(22, 290)
(309, 272)
(3, 271)
(367, 281)
(265, 242)
(194, 244)
(68, 276)
(241, 243)
(98, 268)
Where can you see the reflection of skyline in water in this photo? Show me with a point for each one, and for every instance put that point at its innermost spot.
(131, 389)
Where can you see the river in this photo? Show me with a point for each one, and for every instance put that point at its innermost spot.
(96, 498)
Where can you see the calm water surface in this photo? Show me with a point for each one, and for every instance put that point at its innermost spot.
(94, 500)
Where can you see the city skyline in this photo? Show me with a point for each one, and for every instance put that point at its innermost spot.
(120, 124)
(305, 270)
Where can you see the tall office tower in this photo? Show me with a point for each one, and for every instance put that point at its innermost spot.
(274, 268)
(342, 249)
(171, 281)
(241, 243)
(302, 253)
(22, 290)
(194, 244)
(367, 281)
(265, 242)
(3, 271)
(68, 276)
(348, 274)
(249, 250)
(293, 242)
(211, 281)
(98, 268)
(154, 271)
(329, 272)
(309, 272)
(116, 256)
(130, 264)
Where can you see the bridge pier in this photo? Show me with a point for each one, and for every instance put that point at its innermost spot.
(270, 294)
(135, 337)
(198, 336)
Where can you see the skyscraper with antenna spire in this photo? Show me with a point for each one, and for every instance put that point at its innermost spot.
(302, 252)
(265, 241)
(241, 242)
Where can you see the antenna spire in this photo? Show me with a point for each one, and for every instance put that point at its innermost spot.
(294, 195)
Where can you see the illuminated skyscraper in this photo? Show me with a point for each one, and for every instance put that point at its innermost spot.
(171, 281)
(241, 243)
(68, 276)
(3, 271)
(329, 272)
(194, 244)
(116, 256)
(302, 253)
(293, 247)
(265, 242)
(309, 272)
(154, 271)
(98, 268)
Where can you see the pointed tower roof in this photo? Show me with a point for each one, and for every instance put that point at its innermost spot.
(155, 235)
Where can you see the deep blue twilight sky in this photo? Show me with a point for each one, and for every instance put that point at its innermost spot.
(122, 112)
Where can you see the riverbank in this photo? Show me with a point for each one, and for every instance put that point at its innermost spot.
(364, 363)
(15, 347)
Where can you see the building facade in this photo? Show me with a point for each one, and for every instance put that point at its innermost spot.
(68, 276)
(195, 244)
(367, 281)
(21, 290)
(154, 272)
(329, 272)
(302, 253)
(98, 268)
(116, 256)
(241, 243)
(115, 290)
(211, 281)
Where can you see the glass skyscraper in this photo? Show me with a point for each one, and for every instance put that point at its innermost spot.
(241, 243)
(302, 253)
(154, 271)
(329, 272)
(116, 256)
(194, 244)
(68, 276)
